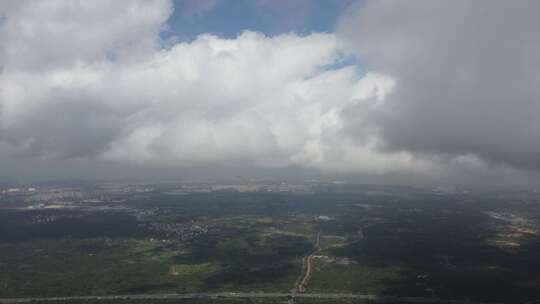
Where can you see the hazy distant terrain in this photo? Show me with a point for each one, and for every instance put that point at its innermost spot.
(106, 239)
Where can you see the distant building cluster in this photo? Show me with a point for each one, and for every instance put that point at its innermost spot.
(17, 191)
(247, 187)
(176, 231)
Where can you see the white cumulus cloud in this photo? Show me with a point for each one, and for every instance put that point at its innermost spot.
(91, 82)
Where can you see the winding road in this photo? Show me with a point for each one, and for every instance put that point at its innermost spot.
(307, 267)
(299, 292)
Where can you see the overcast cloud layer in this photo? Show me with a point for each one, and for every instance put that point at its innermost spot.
(446, 88)
(468, 76)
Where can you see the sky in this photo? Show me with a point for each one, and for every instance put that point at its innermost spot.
(376, 91)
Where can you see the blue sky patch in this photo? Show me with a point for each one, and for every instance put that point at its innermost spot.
(229, 18)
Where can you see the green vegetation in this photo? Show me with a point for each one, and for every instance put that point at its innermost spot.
(80, 267)
(353, 278)
(385, 241)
